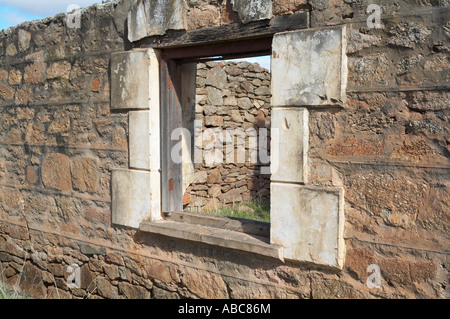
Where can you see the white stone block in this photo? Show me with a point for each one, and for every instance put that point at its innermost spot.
(130, 197)
(155, 17)
(130, 80)
(252, 10)
(309, 67)
(308, 222)
(139, 143)
(289, 144)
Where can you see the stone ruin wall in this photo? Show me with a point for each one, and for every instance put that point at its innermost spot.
(230, 95)
(388, 147)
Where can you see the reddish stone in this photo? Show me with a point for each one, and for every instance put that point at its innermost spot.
(96, 83)
(32, 175)
(56, 172)
(186, 199)
(85, 174)
(356, 147)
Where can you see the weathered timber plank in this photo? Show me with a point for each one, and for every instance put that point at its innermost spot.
(228, 32)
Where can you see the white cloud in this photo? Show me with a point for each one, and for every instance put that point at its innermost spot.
(46, 7)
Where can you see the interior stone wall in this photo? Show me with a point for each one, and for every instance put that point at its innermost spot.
(230, 96)
(387, 146)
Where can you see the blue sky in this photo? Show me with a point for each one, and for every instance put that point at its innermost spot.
(13, 12)
(263, 61)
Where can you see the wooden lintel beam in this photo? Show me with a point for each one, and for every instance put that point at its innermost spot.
(227, 32)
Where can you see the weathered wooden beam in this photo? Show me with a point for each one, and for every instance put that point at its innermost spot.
(228, 50)
(228, 32)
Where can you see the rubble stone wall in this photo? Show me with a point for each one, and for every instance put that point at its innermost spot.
(388, 147)
(233, 96)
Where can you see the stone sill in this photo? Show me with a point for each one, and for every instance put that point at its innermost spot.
(214, 236)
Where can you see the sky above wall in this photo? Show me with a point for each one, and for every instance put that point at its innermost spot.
(14, 12)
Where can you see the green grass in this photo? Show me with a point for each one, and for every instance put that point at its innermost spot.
(261, 211)
(6, 293)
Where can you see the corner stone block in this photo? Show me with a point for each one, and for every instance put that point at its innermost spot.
(139, 144)
(130, 78)
(309, 68)
(289, 145)
(308, 222)
(130, 197)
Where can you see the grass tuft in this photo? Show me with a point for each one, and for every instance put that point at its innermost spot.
(6, 293)
(255, 210)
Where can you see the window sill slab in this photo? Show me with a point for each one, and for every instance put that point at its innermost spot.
(214, 236)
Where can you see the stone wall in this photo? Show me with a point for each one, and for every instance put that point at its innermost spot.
(388, 147)
(230, 96)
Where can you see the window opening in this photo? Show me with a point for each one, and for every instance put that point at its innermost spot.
(230, 176)
(222, 147)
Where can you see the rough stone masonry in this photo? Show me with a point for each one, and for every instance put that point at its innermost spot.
(385, 143)
(230, 96)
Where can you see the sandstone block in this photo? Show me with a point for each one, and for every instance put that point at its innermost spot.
(24, 39)
(309, 222)
(130, 80)
(214, 177)
(215, 120)
(11, 50)
(217, 77)
(32, 175)
(232, 196)
(35, 72)
(15, 77)
(287, 6)
(106, 289)
(3, 75)
(214, 96)
(205, 284)
(199, 177)
(59, 126)
(212, 205)
(133, 291)
(252, 10)
(24, 95)
(35, 134)
(139, 139)
(290, 149)
(12, 199)
(96, 84)
(85, 174)
(130, 197)
(56, 172)
(309, 67)
(6, 92)
(59, 70)
(153, 17)
(215, 190)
